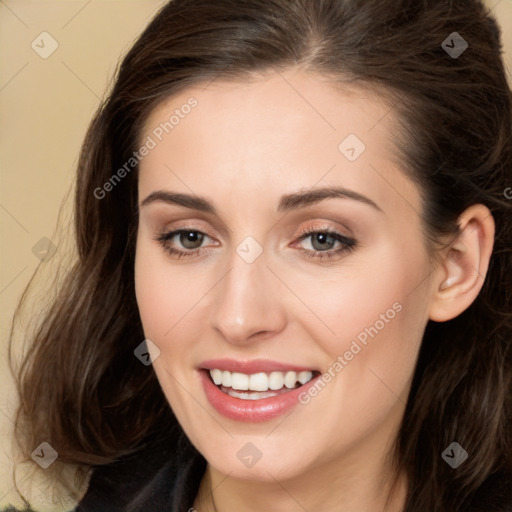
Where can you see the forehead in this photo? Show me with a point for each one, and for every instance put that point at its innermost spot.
(302, 103)
(288, 127)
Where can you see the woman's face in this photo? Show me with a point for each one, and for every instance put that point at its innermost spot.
(229, 280)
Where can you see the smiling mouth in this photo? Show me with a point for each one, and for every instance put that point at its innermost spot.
(261, 385)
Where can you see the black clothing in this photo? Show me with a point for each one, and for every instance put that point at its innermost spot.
(162, 476)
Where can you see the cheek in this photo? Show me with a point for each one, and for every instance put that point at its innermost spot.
(164, 294)
(364, 294)
(373, 315)
(164, 290)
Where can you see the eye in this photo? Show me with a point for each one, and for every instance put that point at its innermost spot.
(323, 243)
(190, 239)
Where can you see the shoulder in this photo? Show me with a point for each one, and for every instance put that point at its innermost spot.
(152, 478)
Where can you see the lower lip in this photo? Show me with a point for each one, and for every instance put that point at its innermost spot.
(251, 411)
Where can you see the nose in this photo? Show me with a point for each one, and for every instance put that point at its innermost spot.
(249, 302)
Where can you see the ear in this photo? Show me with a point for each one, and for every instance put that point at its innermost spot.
(461, 272)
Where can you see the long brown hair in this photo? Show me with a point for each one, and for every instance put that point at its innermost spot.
(455, 142)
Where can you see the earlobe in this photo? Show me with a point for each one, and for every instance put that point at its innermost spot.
(460, 275)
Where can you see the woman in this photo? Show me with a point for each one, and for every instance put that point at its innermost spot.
(293, 280)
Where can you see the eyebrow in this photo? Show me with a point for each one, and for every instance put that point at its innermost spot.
(287, 202)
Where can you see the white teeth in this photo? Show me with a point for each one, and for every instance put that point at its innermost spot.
(290, 379)
(226, 379)
(216, 376)
(304, 377)
(240, 381)
(276, 380)
(259, 381)
(250, 396)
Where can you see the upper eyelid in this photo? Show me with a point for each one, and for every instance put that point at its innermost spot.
(220, 227)
(344, 230)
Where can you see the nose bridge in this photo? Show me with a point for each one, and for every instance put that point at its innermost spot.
(247, 300)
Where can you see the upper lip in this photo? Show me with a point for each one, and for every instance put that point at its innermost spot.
(252, 367)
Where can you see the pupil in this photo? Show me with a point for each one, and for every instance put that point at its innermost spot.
(189, 238)
(322, 239)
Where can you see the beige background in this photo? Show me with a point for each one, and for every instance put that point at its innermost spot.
(45, 107)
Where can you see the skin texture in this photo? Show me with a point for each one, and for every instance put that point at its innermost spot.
(242, 147)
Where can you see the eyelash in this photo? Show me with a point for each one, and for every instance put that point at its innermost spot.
(348, 244)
